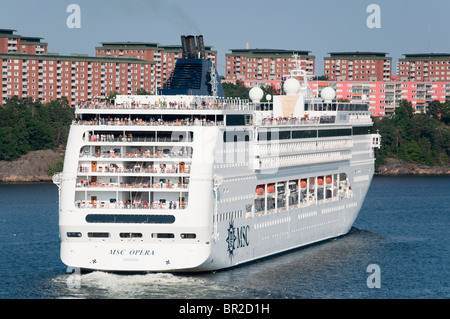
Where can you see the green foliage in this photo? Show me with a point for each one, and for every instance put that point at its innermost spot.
(422, 138)
(142, 92)
(56, 167)
(239, 90)
(29, 126)
(112, 96)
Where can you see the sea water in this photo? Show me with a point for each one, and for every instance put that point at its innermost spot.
(400, 241)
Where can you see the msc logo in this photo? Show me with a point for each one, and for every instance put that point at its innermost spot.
(237, 238)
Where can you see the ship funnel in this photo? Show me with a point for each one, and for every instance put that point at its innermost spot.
(194, 74)
(184, 47)
(200, 47)
(191, 49)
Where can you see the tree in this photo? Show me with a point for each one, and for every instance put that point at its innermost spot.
(112, 96)
(237, 90)
(27, 126)
(422, 138)
(142, 92)
(320, 78)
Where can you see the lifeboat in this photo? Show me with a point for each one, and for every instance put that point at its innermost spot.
(259, 190)
(320, 181)
(271, 188)
(328, 180)
(303, 183)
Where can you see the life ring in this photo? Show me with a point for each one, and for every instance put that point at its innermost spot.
(106, 205)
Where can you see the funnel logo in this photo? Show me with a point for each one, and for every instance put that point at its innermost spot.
(237, 238)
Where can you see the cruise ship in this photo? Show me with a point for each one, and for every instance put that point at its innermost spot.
(188, 181)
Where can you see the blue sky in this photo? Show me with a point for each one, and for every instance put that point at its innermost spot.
(320, 26)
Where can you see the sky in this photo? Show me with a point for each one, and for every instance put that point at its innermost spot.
(319, 26)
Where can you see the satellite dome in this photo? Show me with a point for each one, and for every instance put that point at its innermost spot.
(291, 86)
(256, 94)
(328, 94)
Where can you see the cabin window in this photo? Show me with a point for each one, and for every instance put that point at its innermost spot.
(361, 130)
(130, 235)
(74, 234)
(98, 235)
(335, 132)
(188, 236)
(163, 235)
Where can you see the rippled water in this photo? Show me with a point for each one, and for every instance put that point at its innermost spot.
(403, 228)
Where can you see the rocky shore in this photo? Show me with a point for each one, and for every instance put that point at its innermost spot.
(395, 166)
(34, 167)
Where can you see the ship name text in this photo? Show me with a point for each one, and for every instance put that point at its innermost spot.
(134, 252)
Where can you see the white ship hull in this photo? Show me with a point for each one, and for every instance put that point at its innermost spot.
(199, 183)
(226, 234)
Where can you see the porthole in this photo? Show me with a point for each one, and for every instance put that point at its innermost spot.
(98, 235)
(73, 234)
(188, 236)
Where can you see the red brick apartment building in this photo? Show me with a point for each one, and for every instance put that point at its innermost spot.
(77, 77)
(425, 67)
(264, 65)
(12, 43)
(29, 70)
(357, 66)
(165, 56)
(384, 96)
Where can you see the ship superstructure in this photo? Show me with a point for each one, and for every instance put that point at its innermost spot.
(202, 182)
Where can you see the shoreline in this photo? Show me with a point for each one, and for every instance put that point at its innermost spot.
(397, 167)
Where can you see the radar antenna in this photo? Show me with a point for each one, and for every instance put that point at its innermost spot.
(297, 72)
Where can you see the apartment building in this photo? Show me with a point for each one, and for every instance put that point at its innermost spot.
(164, 56)
(383, 97)
(425, 67)
(126, 67)
(77, 77)
(265, 65)
(358, 66)
(13, 43)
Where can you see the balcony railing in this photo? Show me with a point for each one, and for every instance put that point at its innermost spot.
(127, 205)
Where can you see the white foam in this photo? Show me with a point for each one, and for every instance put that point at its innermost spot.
(153, 285)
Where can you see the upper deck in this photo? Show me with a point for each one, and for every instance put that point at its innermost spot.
(184, 110)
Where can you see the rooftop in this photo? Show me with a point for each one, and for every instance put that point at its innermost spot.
(357, 55)
(268, 52)
(427, 55)
(129, 44)
(7, 31)
(143, 46)
(31, 39)
(73, 57)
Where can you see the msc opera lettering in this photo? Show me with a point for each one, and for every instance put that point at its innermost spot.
(237, 238)
(134, 252)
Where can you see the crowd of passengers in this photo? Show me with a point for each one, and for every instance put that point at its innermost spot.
(88, 183)
(140, 168)
(290, 120)
(181, 105)
(132, 204)
(139, 153)
(141, 122)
